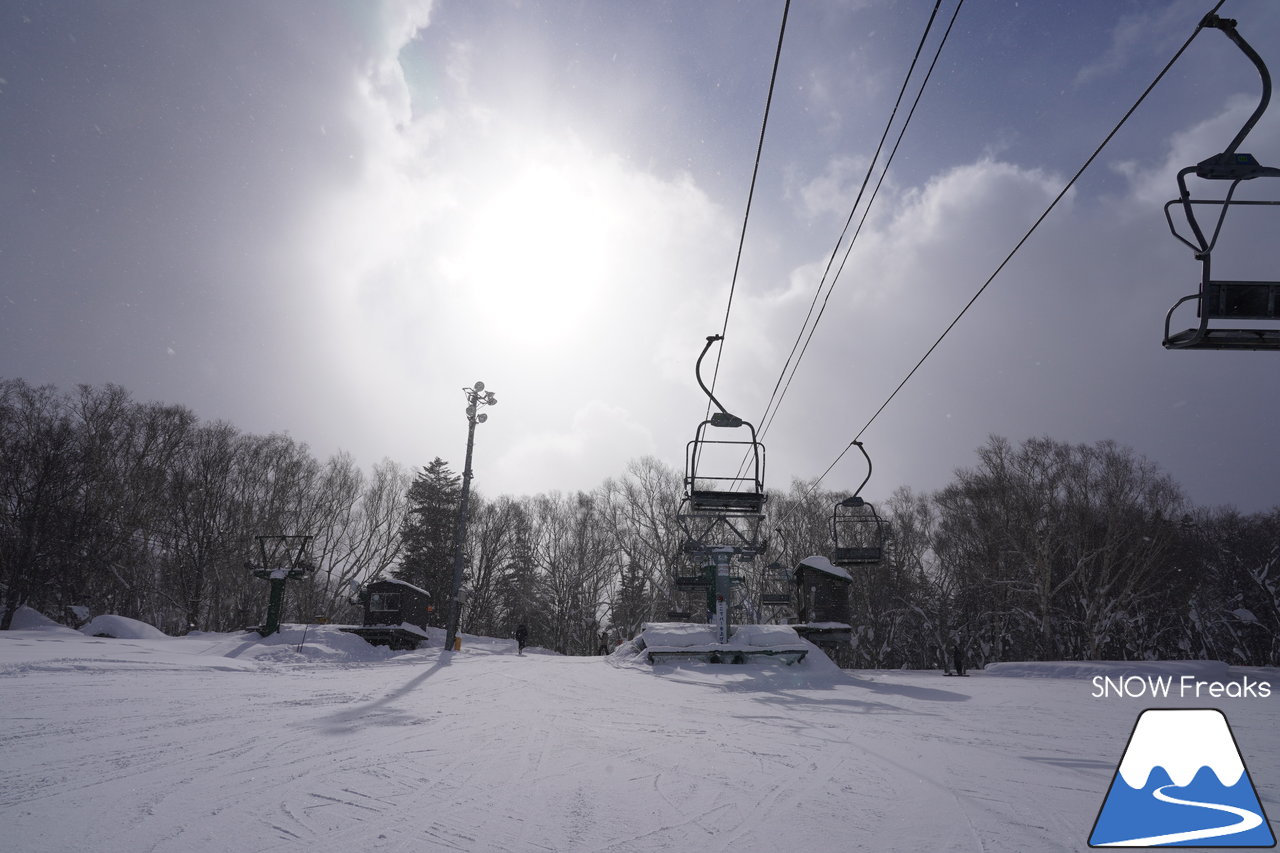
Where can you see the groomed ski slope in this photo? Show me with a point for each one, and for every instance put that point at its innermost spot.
(217, 742)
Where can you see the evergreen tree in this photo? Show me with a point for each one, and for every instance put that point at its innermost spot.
(632, 602)
(427, 535)
(520, 591)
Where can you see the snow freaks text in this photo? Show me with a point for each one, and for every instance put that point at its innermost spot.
(1184, 687)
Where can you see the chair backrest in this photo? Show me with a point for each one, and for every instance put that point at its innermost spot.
(1241, 300)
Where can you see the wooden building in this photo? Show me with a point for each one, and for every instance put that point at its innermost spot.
(822, 591)
(395, 614)
(823, 607)
(391, 602)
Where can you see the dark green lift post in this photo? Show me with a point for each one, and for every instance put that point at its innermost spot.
(298, 566)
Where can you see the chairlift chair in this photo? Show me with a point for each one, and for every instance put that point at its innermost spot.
(1226, 299)
(858, 531)
(724, 495)
(712, 489)
(775, 587)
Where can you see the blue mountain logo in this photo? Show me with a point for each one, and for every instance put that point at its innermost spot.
(1181, 782)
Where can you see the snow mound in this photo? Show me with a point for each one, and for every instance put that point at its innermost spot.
(766, 636)
(122, 628)
(318, 644)
(1205, 670)
(28, 619)
(676, 635)
(684, 635)
(816, 670)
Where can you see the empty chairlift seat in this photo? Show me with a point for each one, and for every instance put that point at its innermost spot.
(859, 533)
(1233, 314)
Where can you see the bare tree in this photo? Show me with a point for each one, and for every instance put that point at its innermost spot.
(572, 550)
(358, 532)
(640, 511)
(491, 544)
(40, 486)
(1070, 538)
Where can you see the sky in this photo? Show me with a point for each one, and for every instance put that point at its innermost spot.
(328, 218)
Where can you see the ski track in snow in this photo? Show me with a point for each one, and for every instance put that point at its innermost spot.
(127, 753)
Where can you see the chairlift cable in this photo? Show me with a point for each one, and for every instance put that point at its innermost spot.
(733, 283)
(866, 210)
(1053, 204)
(1160, 76)
(767, 418)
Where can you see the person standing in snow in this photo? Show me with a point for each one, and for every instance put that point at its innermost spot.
(522, 634)
(604, 643)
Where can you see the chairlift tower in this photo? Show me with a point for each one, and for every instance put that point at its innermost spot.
(284, 558)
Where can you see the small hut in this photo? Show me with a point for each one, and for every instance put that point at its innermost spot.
(822, 603)
(395, 614)
(391, 602)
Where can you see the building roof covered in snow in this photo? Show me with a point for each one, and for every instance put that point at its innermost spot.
(406, 584)
(822, 564)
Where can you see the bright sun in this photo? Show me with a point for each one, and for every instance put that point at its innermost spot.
(535, 256)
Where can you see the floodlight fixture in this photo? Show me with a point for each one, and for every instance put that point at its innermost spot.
(481, 418)
(479, 386)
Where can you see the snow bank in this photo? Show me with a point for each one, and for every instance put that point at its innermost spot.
(683, 637)
(767, 636)
(122, 628)
(27, 619)
(676, 635)
(318, 644)
(1206, 670)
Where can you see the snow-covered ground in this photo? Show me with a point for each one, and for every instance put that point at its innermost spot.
(223, 742)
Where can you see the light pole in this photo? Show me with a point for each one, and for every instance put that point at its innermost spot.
(476, 397)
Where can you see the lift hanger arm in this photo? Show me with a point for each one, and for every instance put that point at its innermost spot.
(1230, 165)
(866, 456)
(722, 418)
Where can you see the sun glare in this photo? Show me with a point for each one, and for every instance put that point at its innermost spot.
(534, 259)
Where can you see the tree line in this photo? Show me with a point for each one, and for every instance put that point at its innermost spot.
(1043, 550)
(141, 510)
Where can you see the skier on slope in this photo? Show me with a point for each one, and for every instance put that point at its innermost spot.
(522, 634)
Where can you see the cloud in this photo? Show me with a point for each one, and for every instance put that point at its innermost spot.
(1156, 183)
(599, 441)
(1142, 34)
(473, 242)
(924, 254)
(832, 192)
